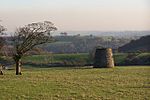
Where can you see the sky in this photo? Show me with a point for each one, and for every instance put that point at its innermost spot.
(78, 15)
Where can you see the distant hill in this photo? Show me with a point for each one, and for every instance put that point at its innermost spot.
(117, 34)
(142, 44)
(84, 44)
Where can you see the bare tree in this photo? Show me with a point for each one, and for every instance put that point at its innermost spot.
(2, 40)
(30, 36)
(2, 29)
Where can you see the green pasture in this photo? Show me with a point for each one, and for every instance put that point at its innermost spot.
(119, 83)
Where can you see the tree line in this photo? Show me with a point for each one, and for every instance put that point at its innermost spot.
(83, 44)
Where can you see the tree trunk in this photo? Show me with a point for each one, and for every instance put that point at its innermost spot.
(18, 67)
(17, 59)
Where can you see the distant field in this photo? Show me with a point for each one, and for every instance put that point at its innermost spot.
(55, 57)
(79, 59)
(84, 58)
(64, 59)
(120, 83)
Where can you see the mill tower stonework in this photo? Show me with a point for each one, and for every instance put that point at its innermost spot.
(103, 58)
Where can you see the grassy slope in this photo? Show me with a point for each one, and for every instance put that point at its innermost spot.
(54, 58)
(126, 83)
(82, 58)
(119, 58)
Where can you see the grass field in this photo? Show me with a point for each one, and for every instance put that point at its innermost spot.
(84, 58)
(80, 59)
(54, 58)
(120, 83)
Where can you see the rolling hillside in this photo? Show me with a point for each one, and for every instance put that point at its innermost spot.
(142, 44)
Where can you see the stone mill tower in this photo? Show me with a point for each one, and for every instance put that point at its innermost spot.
(103, 58)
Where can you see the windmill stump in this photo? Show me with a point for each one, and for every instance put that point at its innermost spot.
(103, 58)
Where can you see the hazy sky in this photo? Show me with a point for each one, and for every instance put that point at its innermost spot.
(78, 15)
